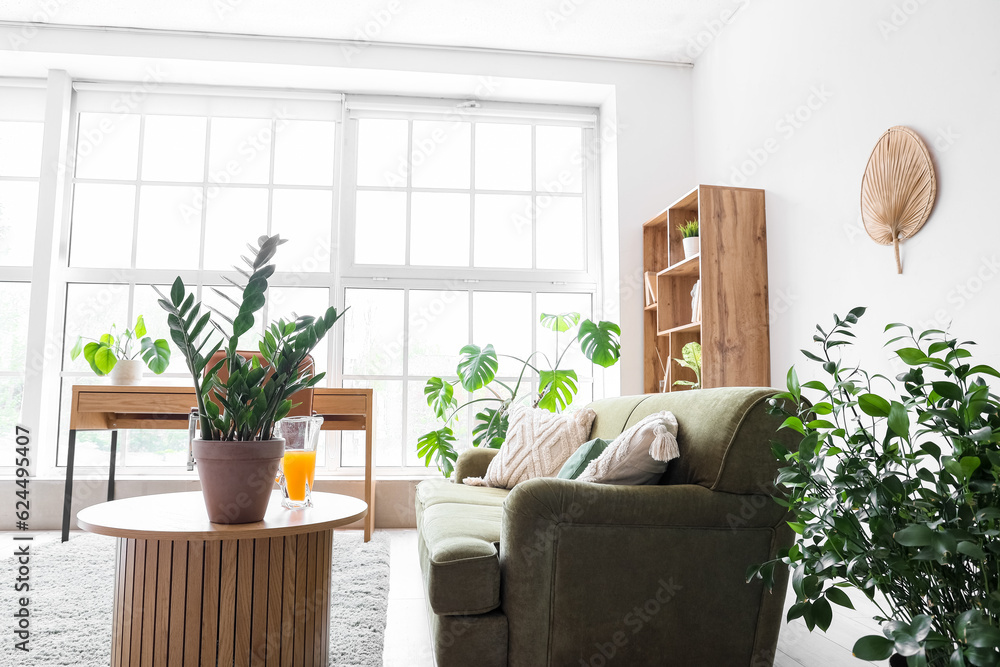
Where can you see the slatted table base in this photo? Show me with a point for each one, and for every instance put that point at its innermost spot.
(223, 603)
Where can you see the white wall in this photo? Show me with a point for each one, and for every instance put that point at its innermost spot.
(863, 66)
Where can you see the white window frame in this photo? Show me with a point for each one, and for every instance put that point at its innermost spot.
(464, 279)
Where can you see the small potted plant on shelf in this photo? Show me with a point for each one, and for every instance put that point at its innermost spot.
(689, 237)
(477, 370)
(691, 354)
(893, 492)
(120, 358)
(236, 450)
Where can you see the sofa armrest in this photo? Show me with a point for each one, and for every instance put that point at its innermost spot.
(473, 462)
(594, 553)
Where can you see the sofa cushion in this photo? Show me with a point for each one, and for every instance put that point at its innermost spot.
(581, 458)
(639, 455)
(459, 556)
(434, 491)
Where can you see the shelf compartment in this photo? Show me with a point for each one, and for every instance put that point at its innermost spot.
(688, 267)
(683, 328)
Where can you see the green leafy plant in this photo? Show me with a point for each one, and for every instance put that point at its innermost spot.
(104, 353)
(688, 229)
(691, 354)
(894, 491)
(477, 369)
(246, 405)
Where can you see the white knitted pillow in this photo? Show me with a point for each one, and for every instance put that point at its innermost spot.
(637, 456)
(538, 444)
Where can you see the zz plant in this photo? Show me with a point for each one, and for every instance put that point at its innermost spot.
(104, 353)
(477, 369)
(255, 395)
(895, 492)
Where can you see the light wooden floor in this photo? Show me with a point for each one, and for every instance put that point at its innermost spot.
(408, 640)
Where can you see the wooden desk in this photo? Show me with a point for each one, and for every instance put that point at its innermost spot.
(192, 592)
(113, 407)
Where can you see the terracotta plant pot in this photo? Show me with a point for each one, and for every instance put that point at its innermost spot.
(237, 477)
(127, 372)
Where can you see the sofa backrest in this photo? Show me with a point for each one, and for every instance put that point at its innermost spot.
(724, 435)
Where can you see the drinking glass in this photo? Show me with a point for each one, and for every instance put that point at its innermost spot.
(298, 465)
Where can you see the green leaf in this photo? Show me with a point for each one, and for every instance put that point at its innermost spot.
(140, 327)
(477, 366)
(969, 465)
(984, 370)
(600, 342)
(838, 596)
(916, 535)
(440, 396)
(89, 351)
(439, 446)
(105, 359)
(912, 356)
(874, 405)
(557, 389)
(873, 647)
(490, 428)
(948, 390)
(561, 322)
(794, 388)
(77, 348)
(971, 550)
(793, 423)
(899, 420)
(177, 292)
(822, 614)
(156, 354)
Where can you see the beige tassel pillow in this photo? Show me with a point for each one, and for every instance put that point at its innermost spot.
(538, 444)
(637, 456)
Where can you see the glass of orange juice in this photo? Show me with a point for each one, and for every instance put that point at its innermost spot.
(298, 465)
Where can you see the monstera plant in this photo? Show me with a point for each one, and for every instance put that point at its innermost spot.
(477, 370)
(894, 490)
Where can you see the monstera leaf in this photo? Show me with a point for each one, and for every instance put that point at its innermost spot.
(440, 396)
(156, 354)
(477, 367)
(600, 343)
(438, 446)
(561, 322)
(557, 389)
(491, 427)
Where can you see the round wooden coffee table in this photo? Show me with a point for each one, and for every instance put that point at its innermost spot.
(192, 592)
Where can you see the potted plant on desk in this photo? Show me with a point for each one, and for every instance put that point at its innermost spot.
(116, 356)
(237, 452)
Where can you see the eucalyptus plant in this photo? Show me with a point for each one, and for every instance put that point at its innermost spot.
(255, 395)
(893, 491)
(477, 369)
(104, 353)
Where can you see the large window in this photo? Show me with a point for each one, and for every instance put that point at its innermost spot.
(438, 224)
(466, 225)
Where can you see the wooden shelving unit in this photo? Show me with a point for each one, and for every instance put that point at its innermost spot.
(732, 268)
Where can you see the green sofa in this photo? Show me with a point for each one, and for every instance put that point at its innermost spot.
(564, 573)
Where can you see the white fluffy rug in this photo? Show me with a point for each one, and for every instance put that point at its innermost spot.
(71, 597)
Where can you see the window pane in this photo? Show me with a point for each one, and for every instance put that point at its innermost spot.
(144, 302)
(11, 389)
(20, 148)
(173, 148)
(560, 233)
(91, 309)
(13, 325)
(292, 302)
(438, 328)
(373, 332)
(388, 426)
(504, 320)
(155, 448)
(558, 159)
(552, 344)
(380, 228)
(439, 229)
(440, 155)
(420, 419)
(107, 146)
(303, 154)
(235, 217)
(382, 152)
(103, 217)
(503, 231)
(503, 156)
(169, 227)
(305, 218)
(240, 150)
(18, 209)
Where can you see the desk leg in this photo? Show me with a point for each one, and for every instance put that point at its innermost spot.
(111, 472)
(68, 491)
(370, 475)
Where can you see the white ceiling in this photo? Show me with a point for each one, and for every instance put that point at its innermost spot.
(659, 30)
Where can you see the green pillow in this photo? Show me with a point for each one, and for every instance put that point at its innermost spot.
(578, 461)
